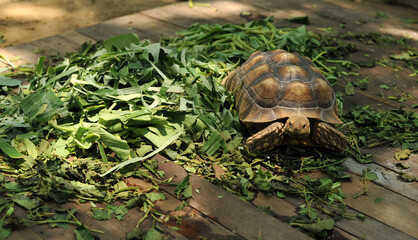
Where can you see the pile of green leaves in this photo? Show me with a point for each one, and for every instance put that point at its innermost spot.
(87, 122)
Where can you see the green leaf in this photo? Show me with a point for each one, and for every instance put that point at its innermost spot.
(9, 150)
(213, 143)
(120, 212)
(406, 56)
(371, 176)
(30, 148)
(381, 15)
(136, 201)
(60, 148)
(153, 234)
(42, 104)
(121, 41)
(135, 234)
(318, 227)
(9, 82)
(134, 160)
(403, 154)
(184, 187)
(82, 233)
(408, 20)
(384, 86)
(280, 195)
(301, 20)
(102, 214)
(25, 202)
(378, 200)
(349, 89)
(4, 231)
(154, 196)
(325, 186)
(112, 141)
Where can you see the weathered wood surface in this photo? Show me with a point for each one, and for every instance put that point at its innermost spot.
(233, 213)
(395, 217)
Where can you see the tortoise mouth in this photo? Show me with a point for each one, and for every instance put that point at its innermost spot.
(296, 134)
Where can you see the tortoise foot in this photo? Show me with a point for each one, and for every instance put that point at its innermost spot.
(325, 135)
(268, 138)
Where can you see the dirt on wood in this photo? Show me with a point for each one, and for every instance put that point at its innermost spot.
(28, 20)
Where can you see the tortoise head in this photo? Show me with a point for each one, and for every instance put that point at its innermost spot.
(297, 126)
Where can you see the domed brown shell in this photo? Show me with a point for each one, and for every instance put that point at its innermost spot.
(277, 84)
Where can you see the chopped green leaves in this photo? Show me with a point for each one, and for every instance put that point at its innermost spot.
(184, 188)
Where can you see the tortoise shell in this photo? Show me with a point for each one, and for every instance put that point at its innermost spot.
(274, 85)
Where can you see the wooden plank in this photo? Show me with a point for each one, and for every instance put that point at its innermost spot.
(113, 229)
(43, 230)
(387, 178)
(23, 51)
(394, 210)
(283, 210)
(26, 233)
(384, 156)
(220, 12)
(352, 229)
(239, 216)
(147, 27)
(55, 45)
(178, 14)
(192, 224)
(76, 38)
(105, 30)
(144, 26)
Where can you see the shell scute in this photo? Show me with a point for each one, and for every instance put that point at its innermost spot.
(292, 72)
(265, 92)
(285, 58)
(298, 95)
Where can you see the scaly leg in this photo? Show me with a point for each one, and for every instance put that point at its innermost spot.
(268, 138)
(325, 135)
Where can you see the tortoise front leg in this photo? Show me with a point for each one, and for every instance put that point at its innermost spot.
(268, 138)
(325, 135)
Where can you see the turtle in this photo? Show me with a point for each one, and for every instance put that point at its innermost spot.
(283, 99)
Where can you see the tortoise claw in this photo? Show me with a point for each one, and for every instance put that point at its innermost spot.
(267, 138)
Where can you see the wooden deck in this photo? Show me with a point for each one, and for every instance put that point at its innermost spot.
(208, 216)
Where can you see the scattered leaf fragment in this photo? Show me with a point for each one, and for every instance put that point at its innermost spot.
(82, 233)
(402, 166)
(349, 89)
(384, 86)
(361, 216)
(299, 19)
(403, 154)
(408, 177)
(409, 20)
(318, 227)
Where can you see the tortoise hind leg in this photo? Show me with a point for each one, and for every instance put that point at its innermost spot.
(325, 135)
(267, 138)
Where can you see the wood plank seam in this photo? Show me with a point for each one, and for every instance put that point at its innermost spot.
(164, 21)
(203, 214)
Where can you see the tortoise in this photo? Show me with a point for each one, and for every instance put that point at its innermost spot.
(283, 99)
